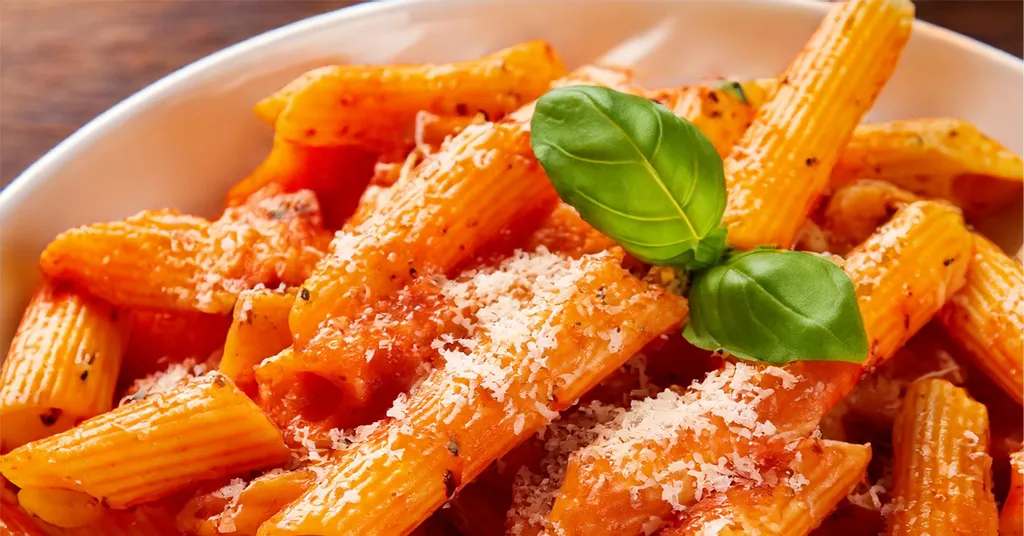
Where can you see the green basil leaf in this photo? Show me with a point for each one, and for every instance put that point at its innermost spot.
(649, 180)
(735, 89)
(777, 306)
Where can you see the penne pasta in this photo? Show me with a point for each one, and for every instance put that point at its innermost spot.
(259, 329)
(373, 197)
(61, 507)
(350, 373)
(62, 365)
(337, 175)
(195, 265)
(822, 475)
(855, 211)
(1011, 518)
(151, 448)
(796, 137)
(239, 508)
(408, 236)
(376, 107)
(943, 473)
(936, 157)
(986, 317)
(531, 356)
(652, 462)
(432, 130)
(722, 113)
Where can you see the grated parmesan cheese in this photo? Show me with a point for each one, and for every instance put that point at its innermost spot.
(726, 399)
(231, 490)
(533, 493)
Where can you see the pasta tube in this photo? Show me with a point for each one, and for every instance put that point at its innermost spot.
(152, 448)
(855, 211)
(259, 329)
(376, 106)
(61, 507)
(942, 473)
(935, 157)
(823, 474)
(542, 339)
(337, 175)
(239, 508)
(1011, 519)
(663, 455)
(430, 223)
(722, 113)
(193, 264)
(986, 317)
(797, 135)
(62, 365)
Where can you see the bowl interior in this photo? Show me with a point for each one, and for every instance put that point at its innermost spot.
(184, 140)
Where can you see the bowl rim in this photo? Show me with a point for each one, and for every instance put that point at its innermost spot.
(43, 168)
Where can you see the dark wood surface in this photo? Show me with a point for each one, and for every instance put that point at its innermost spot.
(62, 62)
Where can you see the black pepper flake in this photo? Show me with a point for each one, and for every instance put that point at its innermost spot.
(450, 484)
(84, 375)
(713, 96)
(412, 272)
(89, 359)
(714, 114)
(304, 294)
(50, 417)
(219, 380)
(278, 213)
(453, 447)
(461, 109)
(811, 162)
(953, 133)
(947, 262)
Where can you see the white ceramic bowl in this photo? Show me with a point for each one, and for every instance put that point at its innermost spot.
(184, 140)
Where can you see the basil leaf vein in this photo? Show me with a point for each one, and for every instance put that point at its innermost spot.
(634, 171)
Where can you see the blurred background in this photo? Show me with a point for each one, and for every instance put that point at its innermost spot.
(62, 62)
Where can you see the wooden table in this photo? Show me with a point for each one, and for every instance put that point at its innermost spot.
(62, 62)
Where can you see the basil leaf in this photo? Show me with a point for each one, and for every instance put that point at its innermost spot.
(649, 180)
(735, 89)
(777, 306)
